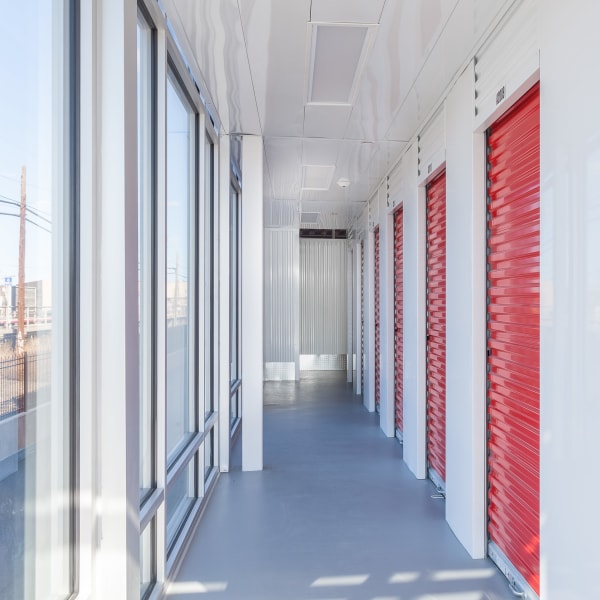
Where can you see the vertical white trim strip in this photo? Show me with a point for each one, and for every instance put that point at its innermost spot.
(89, 229)
(161, 302)
(386, 312)
(223, 384)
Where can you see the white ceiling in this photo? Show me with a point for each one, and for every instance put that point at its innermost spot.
(254, 59)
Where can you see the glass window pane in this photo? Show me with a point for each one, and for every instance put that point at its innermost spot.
(146, 267)
(209, 353)
(147, 559)
(209, 453)
(180, 413)
(234, 274)
(180, 497)
(235, 406)
(35, 301)
(234, 302)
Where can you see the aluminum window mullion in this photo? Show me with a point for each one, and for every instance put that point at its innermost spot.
(184, 459)
(150, 507)
(160, 289)
(200, 275)
(210, 422)
(235, 386)
(74, 24)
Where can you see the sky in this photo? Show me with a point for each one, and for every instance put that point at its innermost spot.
(25, 132)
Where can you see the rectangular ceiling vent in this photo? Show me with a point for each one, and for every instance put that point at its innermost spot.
(338, 55)
(324, 234)
(309, 218)
(317, 177)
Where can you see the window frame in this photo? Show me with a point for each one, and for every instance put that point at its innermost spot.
(235, 382)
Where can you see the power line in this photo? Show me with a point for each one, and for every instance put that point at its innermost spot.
(34, 211)
(28, 220)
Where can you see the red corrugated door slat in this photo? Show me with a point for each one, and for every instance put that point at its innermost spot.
(513, 344)
(436, 329)
(398, 317)
(377, 321)
(362, 315)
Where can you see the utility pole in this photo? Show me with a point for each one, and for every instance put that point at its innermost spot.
(21, 284)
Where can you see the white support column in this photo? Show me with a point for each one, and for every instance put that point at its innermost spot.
(223, 335)
(369, 385)
(252, 302)
(465, 319)
(358, 384)
(118, 573)
(386, 311)
(570, 298)
(414, 432)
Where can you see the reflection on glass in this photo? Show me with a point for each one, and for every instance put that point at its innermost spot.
(235, 407)
(209, 453)
(180, 496)
(208, 278)
(145, 252)
(35, 486)
(180, 414)
(234, 307)
(147, 562)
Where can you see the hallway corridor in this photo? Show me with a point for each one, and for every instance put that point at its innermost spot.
(335, 515)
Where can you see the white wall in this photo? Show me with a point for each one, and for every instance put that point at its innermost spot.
(414, 320)
(570, 304)
(465, 319)
(282, 315)
(570, 298)
(323, 297)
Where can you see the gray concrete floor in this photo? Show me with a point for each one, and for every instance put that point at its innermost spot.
(335, 515)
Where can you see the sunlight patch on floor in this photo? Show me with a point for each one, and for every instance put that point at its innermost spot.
(454, 596)
(406, 577)
(459, 574)
(196, 587)
(339, 581)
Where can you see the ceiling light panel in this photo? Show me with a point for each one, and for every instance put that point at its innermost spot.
(317, 177)
(338, 54)
(346, 11)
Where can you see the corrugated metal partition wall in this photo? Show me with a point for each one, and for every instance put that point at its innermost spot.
(323, 304)
(436, 329)
(514, 341)
(377, 321)
(281, 304)
(398, 318)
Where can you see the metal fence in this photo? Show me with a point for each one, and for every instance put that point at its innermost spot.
(22, 378)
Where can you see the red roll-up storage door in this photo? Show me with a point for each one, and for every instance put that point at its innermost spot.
(436, 329)
(362, 316)
(377, 323)
(398, 317)
(514, 340)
